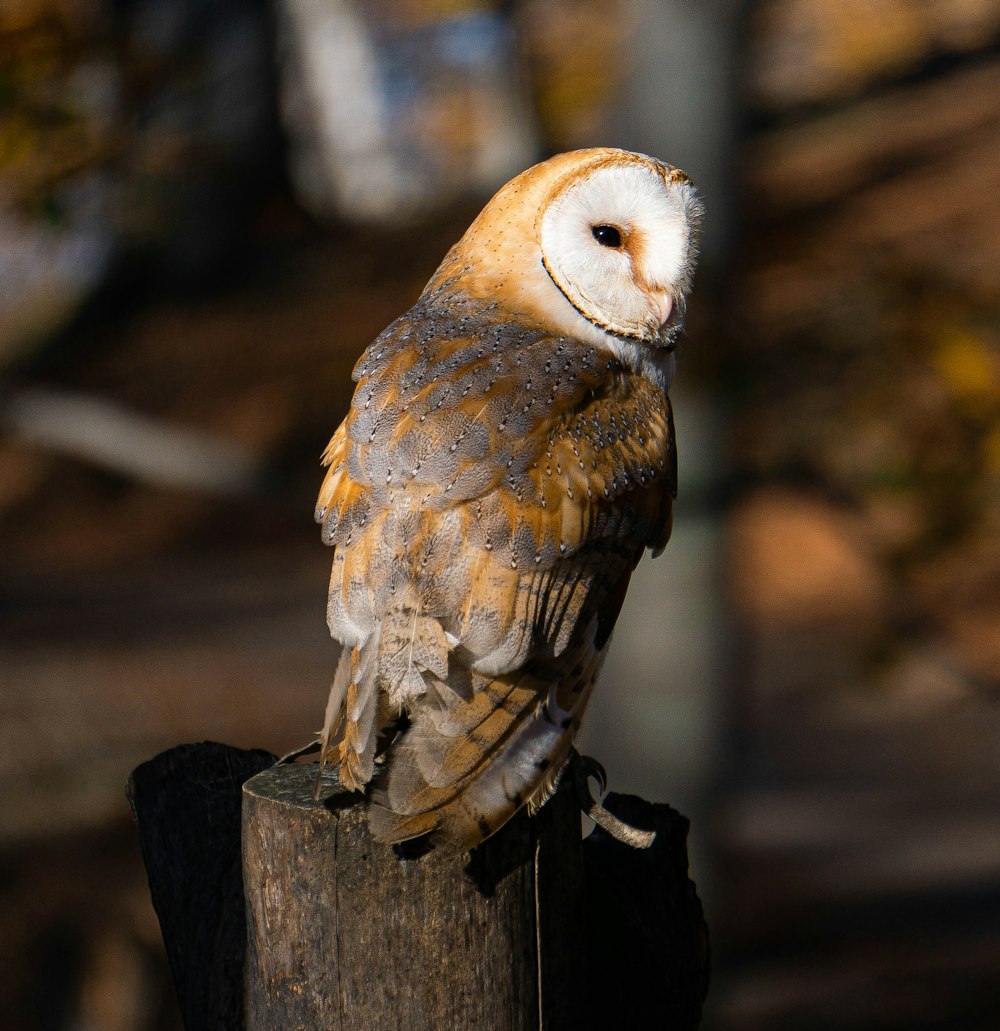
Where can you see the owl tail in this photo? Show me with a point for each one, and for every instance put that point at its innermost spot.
(464, 768)
(353, 700)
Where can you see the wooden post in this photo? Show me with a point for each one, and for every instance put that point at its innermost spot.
(349, 934)
(534, 929)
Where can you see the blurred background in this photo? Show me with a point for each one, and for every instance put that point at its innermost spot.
(208, 208)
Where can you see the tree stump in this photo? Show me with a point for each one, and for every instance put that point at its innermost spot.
(347, 933)
(535, 929)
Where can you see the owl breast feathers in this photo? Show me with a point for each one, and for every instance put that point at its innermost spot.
(508, 456)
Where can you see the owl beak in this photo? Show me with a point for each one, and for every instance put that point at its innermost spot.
(663, 306)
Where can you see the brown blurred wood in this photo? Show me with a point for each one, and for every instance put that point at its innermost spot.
(346, 933)
(819, 160)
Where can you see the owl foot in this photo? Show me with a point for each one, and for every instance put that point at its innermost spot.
(586, 767)
(308, 749)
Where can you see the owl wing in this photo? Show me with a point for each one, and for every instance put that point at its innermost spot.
(488, 497)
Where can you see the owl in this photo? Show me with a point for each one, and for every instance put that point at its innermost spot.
(508, 457)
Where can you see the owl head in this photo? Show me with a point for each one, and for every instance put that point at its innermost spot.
(599, 244)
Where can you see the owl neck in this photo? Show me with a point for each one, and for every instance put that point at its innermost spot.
(656, 364)
(529, 296)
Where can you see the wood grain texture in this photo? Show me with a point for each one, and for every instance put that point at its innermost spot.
(534, 929)
(347, 933)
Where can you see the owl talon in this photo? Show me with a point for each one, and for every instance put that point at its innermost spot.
(297, 753)
(583, 769)
(587, 766)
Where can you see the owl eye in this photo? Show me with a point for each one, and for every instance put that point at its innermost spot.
(607, 236)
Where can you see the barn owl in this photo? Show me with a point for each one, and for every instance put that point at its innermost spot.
(507, 458)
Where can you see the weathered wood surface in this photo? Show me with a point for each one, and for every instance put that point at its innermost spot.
(346, 933)
(186, 804)
(535, 929)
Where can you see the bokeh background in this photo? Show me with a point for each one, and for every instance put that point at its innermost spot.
(209, 207)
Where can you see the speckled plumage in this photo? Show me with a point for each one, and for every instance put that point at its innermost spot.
(496, 480)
